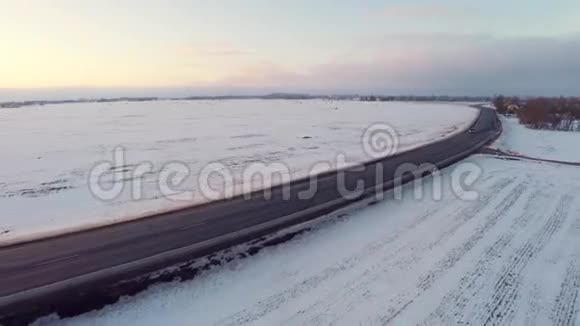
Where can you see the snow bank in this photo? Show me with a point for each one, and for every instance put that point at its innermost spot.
(48, 151)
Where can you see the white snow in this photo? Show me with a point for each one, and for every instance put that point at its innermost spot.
(546, 144)
(47, 151)
(510, 257)
(507, 258)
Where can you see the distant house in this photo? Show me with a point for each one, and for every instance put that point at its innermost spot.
(512, 110)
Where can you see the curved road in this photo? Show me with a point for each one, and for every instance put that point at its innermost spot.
(36, 275)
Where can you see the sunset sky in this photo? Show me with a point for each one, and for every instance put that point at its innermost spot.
(76, 47)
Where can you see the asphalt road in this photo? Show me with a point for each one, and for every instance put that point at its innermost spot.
(48, 270)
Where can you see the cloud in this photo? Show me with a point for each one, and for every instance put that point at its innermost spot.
(453, 64)
(425, 11)
(440, 64)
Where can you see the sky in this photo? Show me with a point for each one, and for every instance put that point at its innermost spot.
(68, 48)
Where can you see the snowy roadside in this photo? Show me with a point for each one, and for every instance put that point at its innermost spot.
(510, 257)
(44, 178)
(544, 144)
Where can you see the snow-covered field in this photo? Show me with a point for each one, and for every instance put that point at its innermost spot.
(511, 257)
(545, 144)
(47, 152)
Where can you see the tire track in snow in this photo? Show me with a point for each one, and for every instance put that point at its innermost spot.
(351, 295)
(542, 283)
(566, 308)
(459, 252)
(452, 306)
(535, 305)
(500, 307)
(456, 254)
(275, 301)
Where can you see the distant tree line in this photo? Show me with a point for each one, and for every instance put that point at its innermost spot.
(425, 98)
(562, 113)
(13, 105)
(276, 96)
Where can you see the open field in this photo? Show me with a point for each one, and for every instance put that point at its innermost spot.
(51, 149)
